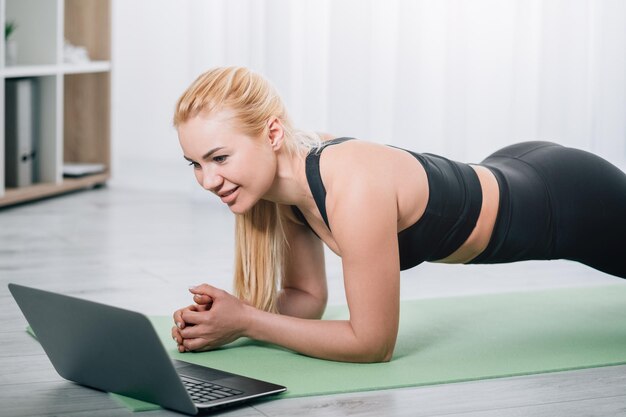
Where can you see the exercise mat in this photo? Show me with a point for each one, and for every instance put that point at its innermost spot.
(445, 340)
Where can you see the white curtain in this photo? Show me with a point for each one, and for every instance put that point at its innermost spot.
(455, 77)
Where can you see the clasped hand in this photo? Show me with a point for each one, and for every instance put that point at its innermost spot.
(217, 318)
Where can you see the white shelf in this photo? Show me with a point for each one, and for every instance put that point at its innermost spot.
(73, 100)
(29, 71)
(90, 67)
(47, 70)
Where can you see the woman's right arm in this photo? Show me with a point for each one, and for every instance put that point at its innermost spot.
(304, 291)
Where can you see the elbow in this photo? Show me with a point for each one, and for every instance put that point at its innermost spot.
(376, 353)
(374, 347)
(320, 308)
(382, 356)
(376, 357)
(387, 356)
(316, 307)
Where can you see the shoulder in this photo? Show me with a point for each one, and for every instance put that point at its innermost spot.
(362, 205)
(364, 178)
(358, 163)
(360, 182)
(355, 154)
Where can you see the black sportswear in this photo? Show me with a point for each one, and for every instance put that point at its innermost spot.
(558, 203)
(450, 216)
(555, 203)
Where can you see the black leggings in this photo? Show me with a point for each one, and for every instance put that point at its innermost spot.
(558, 203)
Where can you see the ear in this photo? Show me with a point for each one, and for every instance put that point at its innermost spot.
(276, 133)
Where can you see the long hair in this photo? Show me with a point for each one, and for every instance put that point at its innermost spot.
(260, 244)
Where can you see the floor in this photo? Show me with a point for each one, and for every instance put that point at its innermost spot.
(142, 249)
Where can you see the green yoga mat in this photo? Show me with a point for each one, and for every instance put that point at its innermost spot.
(444, 340)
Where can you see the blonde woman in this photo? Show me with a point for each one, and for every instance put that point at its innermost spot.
(381, 209)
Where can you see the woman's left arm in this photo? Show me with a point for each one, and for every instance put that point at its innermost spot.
(364, 225)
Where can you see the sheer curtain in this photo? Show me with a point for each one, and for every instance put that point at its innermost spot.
(460, 78)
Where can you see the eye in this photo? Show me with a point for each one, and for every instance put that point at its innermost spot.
(220, 159)
(195, 165)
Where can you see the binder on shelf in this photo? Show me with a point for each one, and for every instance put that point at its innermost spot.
(78, 169)
(21, 132)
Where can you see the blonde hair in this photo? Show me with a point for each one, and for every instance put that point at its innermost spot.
(260, 244)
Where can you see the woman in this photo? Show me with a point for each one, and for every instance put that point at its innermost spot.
(381, 209)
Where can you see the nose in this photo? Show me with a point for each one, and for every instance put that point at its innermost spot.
(211, 181)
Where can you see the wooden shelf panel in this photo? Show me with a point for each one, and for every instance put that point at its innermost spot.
(19, 195)
(87, 118)
(88, 23)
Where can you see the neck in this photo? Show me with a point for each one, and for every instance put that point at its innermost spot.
(290, 185)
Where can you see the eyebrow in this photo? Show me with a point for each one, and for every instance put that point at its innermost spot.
(206, 155)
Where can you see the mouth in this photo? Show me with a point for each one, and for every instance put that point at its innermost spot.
(229, 196)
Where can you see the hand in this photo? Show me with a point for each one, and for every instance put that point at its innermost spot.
(180, 323)
(218, 319)
(203, 303)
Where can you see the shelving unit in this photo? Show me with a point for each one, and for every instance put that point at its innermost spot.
(73, 102)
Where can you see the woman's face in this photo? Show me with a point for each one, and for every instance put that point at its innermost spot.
(236, 167)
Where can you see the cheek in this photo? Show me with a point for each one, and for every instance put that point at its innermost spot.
(269, 175)
(198, 174)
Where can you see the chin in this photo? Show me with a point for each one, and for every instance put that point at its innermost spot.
(236, 210)
(239, 208)
(242, 207)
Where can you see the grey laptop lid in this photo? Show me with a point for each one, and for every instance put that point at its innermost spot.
(110, 349)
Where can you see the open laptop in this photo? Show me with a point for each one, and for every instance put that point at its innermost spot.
(117, 350)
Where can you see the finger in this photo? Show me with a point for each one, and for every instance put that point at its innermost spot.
(178, 315)
(178, 339)
(196, 344)
(205, 289)
(192, 332)
(203, 307)
(203, 299)
(178, 319)
(194, 317)
(176, 335)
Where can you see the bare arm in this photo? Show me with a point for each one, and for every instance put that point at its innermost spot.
(368, 243)
(371, 274)
(304, 291)
(364, 225)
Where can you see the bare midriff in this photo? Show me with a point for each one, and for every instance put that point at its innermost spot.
(478, 240)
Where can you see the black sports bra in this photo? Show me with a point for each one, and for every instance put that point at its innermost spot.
(454, 203)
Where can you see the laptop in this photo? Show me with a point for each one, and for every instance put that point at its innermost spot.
(117, 350)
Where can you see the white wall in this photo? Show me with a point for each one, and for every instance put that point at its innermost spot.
(151, 61)
(453, 77)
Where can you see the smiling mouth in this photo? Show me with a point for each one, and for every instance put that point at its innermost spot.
(229, 192)
(229, 197)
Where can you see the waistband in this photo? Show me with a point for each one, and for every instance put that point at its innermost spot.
(503, 219)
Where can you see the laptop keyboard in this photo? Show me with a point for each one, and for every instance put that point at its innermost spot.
(205, 392)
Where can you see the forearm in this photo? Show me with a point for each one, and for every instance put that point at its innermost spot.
(324, 339)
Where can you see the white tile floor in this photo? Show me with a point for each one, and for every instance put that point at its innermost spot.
(141, 249)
